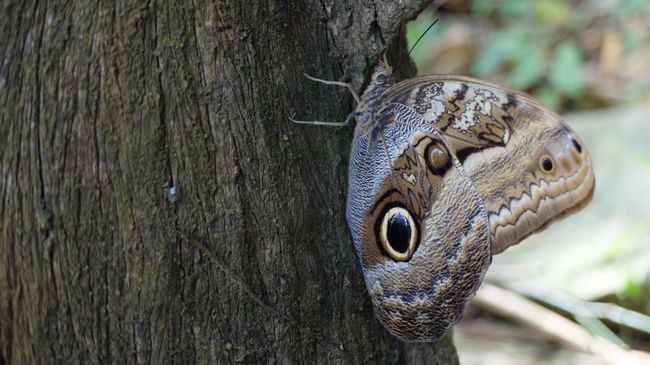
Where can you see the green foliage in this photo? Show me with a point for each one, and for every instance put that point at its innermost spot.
(636, 295)
(538, 46)
(550, 48)
(514, 47)
(566, 68)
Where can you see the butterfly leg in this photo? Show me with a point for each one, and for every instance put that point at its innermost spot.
(347, 121)
(337, 83)
(350, 117)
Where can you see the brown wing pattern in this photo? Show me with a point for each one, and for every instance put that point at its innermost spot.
(420, 298)
(501, 137)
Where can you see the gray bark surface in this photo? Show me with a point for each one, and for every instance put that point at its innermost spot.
(156, 205)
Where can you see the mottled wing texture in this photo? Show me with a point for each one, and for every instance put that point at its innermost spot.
(500, 136)
(419, 299)
(475, 115)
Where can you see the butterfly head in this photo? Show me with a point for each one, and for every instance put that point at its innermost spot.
(366, 112)
(382, 77)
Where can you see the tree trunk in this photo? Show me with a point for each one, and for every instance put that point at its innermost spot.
(156, 204)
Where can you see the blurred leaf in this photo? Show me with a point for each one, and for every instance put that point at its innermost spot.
(632, 289)
(483, 8)
(565, 74)
(548, 97)
(500, 48)
(635, 294)
(632, 41)
(487, 62)
(528, 68)
(552, 12)
(596, 327)
(630, 7)
(600, 7)
(514, 9)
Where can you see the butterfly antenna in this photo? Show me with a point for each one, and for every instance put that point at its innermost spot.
(418, 41)
(422, 36)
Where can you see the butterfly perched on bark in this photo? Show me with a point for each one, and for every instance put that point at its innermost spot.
(446, 171)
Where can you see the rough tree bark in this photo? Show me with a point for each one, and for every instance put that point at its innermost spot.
(156, 205)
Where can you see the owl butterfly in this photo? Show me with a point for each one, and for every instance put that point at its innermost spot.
(446, 171)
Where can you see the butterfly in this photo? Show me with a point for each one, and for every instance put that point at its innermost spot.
(446, 171)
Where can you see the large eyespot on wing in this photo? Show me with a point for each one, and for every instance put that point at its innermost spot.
(398, 232)
(422, 275)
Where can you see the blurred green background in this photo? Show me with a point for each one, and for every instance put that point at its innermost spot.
(570, 54)
(589, 60)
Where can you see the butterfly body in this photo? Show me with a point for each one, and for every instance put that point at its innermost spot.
(446, 171)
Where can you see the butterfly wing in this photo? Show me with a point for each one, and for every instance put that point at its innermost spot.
(529, 167)
(418, 223)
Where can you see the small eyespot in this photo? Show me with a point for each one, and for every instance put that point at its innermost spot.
(398, 234)
(576, 145)
(437, 156)
(381, 79)
(546, 164)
